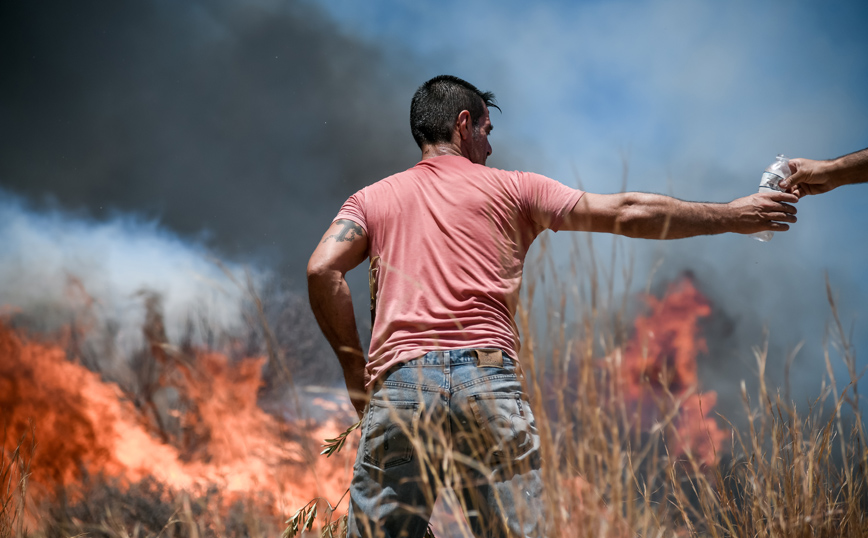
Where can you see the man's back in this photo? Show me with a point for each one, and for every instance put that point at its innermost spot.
(449, 238)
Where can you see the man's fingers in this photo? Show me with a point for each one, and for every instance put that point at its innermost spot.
(784, 217)
(778, 227)
(796, 177)
(783, 197)
(790, 182)
(787, 208)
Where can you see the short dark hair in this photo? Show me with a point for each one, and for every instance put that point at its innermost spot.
(437, 103)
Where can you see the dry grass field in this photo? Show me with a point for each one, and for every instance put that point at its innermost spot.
(632, 444)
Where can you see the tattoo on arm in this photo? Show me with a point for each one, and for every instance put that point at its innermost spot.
(350, 231)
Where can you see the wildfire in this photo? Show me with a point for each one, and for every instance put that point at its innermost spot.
(84, 425)
(214, 434)
(659, 373)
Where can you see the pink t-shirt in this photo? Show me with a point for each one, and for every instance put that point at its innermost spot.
(451, 237)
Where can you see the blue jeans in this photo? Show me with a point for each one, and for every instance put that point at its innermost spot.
(450, 419)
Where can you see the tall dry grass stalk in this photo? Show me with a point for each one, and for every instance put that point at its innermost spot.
(14, 472)
(790, 474)
(794, 474)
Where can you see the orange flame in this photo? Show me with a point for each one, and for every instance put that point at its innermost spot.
(83, 424)
(659, 372)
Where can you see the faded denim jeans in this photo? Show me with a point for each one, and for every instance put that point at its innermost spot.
(454, 420)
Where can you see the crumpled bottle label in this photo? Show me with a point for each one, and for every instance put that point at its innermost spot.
(770, 181)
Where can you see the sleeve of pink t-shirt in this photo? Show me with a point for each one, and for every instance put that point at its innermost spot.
(354, 210)
(546, 201)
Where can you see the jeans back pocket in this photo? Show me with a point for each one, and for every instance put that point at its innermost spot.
(391, 429)
(507, 432)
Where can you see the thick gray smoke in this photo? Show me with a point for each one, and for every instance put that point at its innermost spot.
(247, 122)
(239, 127)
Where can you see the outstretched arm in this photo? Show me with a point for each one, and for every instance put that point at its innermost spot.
(816, 177)
(654, 216)
(343, 247)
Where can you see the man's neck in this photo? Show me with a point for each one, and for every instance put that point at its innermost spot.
(436, 150)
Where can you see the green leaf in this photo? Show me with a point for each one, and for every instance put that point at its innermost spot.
(292, 529)
(333, 446)
(310, 519)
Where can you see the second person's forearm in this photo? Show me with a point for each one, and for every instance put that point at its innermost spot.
(849, 169)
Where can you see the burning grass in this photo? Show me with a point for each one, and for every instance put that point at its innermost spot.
(189, 452)
(632, 443)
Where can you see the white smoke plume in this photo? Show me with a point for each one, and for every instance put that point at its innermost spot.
(55, 263)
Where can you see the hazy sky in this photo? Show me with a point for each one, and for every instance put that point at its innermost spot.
(245, 126)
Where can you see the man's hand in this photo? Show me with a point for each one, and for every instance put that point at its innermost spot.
(817, 177)
(356, 376)
(763, 211)
(808, 178)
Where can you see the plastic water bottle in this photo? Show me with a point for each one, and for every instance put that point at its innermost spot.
(774, 173)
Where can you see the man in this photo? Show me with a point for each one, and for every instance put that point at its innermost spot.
(447, 241)
(815, 177)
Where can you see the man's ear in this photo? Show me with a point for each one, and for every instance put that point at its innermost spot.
(464, 125)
